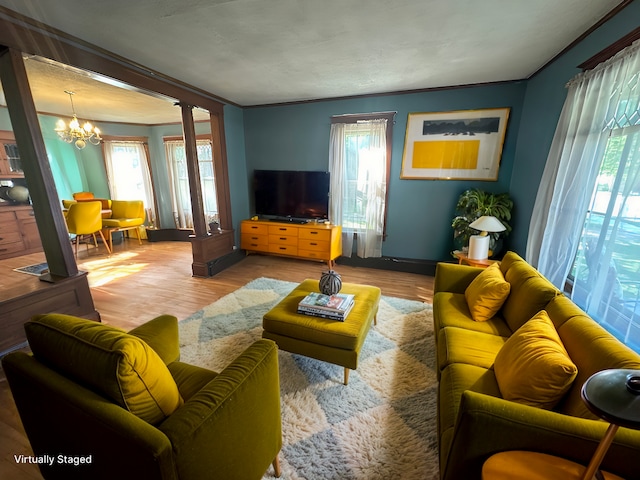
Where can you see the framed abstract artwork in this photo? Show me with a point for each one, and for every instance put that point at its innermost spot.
(458, 145)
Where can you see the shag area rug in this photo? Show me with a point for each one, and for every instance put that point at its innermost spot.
(382, 425)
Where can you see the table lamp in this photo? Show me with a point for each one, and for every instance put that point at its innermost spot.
(479, 244)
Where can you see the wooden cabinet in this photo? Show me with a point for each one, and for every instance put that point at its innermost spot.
(10, 165)
(18, 231)
(310, 240)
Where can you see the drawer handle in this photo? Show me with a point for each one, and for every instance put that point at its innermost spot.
(283, 238)
(254, 244)
(255, 227)
(313, 232)
(3, 249)
(313, 243)
(283, 229)
(254, 238)
(283, 248)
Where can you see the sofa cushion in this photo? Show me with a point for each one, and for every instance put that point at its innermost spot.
(111, 362)
(486, 293)
(530, 291)
(460, 345)
(533, 366)
(451, 310)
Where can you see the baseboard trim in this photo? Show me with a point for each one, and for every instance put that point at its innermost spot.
(221, 263)
(407, 265)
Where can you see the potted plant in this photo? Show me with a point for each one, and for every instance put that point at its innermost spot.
(474, 203)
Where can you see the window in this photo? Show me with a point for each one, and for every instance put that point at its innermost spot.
(585, 224)
(128, 172)
(359, 163)
(181, 196)
(606, 271)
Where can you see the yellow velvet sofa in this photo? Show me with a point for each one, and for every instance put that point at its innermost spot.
(99, 403)
(475, 420)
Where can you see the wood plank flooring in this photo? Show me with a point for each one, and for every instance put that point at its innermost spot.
(137, 283)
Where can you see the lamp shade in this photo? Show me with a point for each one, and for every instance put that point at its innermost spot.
(488, 223)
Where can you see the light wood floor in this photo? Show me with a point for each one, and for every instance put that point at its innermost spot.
(137, 283)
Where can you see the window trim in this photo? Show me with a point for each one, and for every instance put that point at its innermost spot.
(390, 117)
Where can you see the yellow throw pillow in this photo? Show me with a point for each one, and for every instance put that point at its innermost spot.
(533, 367)
(107, 360)
(486, 293)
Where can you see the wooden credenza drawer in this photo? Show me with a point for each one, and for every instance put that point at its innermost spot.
(283, 240)
(315, 234)
(18, 231)
(251, 241)
(254, 228)
(309, 241)
(9, 237)
(289, 230)
(283, 249)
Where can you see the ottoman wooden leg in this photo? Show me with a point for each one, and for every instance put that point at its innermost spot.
(346, 376)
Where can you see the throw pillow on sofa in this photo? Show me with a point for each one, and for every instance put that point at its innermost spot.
(486, 293)
(113, 363)
(533, 367)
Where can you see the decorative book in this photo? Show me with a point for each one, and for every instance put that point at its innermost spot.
(335, 307)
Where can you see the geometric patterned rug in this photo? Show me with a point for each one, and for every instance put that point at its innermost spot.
(381, 425)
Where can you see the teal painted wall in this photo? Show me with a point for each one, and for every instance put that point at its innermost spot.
(296, 137)
(543, 103)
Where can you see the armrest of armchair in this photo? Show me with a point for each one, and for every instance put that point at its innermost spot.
(488, 425)
(231, 428)
(451, 277)
(161, 334)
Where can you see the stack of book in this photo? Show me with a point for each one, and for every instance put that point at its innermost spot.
(333, 307)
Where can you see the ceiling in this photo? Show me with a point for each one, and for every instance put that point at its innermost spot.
(255, 52)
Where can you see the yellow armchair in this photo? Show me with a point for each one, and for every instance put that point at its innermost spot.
(125, 215)
(84, 218)
(85, 395)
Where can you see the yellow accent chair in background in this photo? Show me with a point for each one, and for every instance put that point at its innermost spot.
(85, 218)
(125, 215)
(105, 404)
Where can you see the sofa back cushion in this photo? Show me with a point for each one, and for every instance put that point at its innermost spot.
(533, 367)
(127, 209)
(590, 347)
(487, 293)
(107, 360)
(530, 291)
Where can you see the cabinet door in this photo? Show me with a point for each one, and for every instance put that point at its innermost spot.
(10, 163)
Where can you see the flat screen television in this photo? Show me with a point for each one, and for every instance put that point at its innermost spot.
(293, 195)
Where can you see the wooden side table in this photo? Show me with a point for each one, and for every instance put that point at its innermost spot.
(463, 259)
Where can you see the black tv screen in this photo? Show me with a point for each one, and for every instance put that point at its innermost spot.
(291, 194)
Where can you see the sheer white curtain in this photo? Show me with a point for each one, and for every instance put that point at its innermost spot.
(128, 172)
(179, 181)
(357, 163)
(596, 100)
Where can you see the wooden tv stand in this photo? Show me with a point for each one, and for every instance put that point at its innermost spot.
(314, 241)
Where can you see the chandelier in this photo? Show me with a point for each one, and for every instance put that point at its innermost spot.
(73, 132)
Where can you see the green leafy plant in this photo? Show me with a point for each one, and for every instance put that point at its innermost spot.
(474, 203)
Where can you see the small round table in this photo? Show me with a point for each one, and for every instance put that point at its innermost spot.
(613, 395)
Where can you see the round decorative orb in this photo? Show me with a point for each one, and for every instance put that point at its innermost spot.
(330, 282)
(18, 194)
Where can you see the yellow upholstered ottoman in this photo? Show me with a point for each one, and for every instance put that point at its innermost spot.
(327, 340)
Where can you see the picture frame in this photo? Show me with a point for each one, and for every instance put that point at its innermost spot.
(455, 145)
